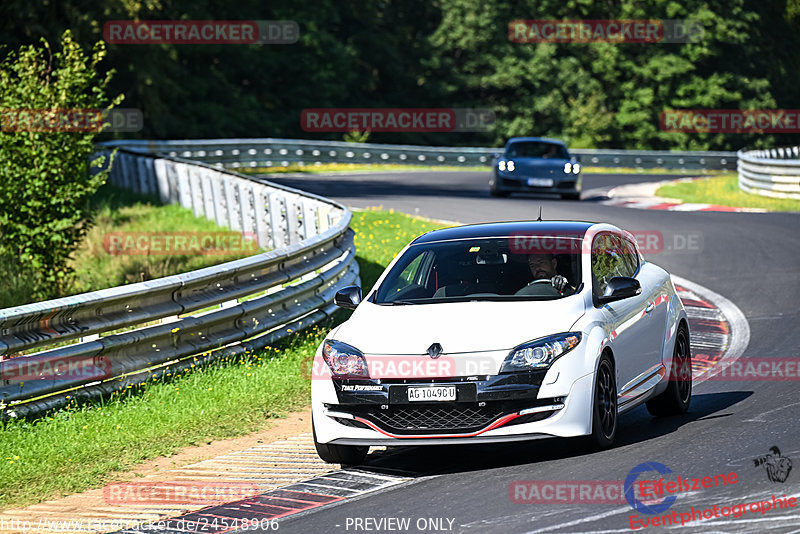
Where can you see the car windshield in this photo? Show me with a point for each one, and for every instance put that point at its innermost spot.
(536, 149)
(497, 268)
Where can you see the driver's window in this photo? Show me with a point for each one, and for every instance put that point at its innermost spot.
(411, 274)
(607, 261)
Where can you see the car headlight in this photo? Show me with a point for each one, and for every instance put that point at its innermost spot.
(343, 360)
(510, 165)
(501, 165)
(567, 167)
(576, 168)
(540, 353)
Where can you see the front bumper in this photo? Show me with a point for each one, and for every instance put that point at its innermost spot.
(565, 183)
(492, 409)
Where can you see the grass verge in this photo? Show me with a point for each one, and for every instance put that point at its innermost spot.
(724, 191)
(86, 446)
(631, 170)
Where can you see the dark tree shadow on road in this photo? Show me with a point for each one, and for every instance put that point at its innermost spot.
(634, 427)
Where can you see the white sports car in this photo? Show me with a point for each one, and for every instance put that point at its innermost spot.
(501, 332)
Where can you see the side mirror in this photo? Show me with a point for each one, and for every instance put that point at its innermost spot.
(577, 158)
(348, 297)
(495, 155)
(620, 287)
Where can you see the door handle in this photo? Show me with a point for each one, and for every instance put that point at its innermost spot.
(650, 307)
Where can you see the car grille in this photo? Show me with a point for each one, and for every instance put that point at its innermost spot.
(424, 419)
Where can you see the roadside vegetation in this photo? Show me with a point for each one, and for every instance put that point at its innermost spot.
(724, 191)
(89, 445)
(448, 53)
(100, 261)
(45, 146)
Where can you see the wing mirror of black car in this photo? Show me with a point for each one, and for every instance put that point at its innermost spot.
(495, 155)
(348, 297)
(620, 287)
(577, 158)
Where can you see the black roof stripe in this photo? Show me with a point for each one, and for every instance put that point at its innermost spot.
(506, 229)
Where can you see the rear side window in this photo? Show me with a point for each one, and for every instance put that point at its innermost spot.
(630, 256)
(608, 261)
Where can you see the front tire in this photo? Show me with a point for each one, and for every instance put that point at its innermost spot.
(338, 454)
(570, 196)
(604, 407)
(501, 194)
(676, 398)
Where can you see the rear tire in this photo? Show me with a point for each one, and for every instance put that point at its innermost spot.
(338, 454)
(676, 398)
(604, 405)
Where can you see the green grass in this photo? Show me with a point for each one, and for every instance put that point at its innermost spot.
(724, 191)
(632, 170)
(120, 212)
(126, 214)
(87, 446)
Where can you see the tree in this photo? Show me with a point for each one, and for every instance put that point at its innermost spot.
(45, 178)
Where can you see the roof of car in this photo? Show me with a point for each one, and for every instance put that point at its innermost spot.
(505, 229)
(536, 139)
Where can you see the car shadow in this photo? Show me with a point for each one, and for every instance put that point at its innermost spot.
(634, 427)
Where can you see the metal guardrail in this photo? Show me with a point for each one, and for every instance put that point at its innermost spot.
(770, 173)
(258, 153)
(104, 341)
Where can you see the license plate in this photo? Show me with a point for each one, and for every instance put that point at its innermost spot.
(540, 182)
(432, 393)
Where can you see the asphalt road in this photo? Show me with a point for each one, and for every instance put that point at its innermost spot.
(752, 259)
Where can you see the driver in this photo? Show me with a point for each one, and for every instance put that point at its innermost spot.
(543, 267)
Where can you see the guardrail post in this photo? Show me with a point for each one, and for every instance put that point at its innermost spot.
(196, 191)
(233, 205)
(278, 215)
(218, 199)
(162, 183)
(173, 189)
(260, 215)
(293, 217)
(309, 219)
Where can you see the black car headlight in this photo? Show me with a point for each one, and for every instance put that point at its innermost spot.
(343, 360)
(540, 353)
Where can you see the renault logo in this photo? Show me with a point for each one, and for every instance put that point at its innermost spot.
(434, 350)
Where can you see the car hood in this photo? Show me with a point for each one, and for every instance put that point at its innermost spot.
(458, 327)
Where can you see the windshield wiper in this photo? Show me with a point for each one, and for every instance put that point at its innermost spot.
(401, 302)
